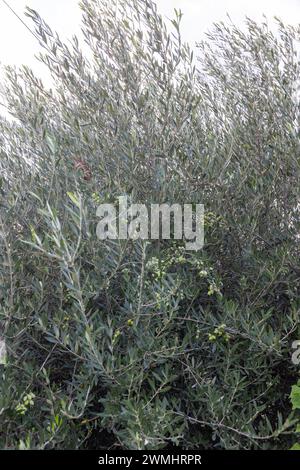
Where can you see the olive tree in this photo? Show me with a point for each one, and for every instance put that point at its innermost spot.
(142, 343)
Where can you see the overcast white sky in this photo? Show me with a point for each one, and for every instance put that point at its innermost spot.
(17, 46)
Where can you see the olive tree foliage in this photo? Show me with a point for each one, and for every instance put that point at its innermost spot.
(142, 344)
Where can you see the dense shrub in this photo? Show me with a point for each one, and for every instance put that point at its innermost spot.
(143, 344)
